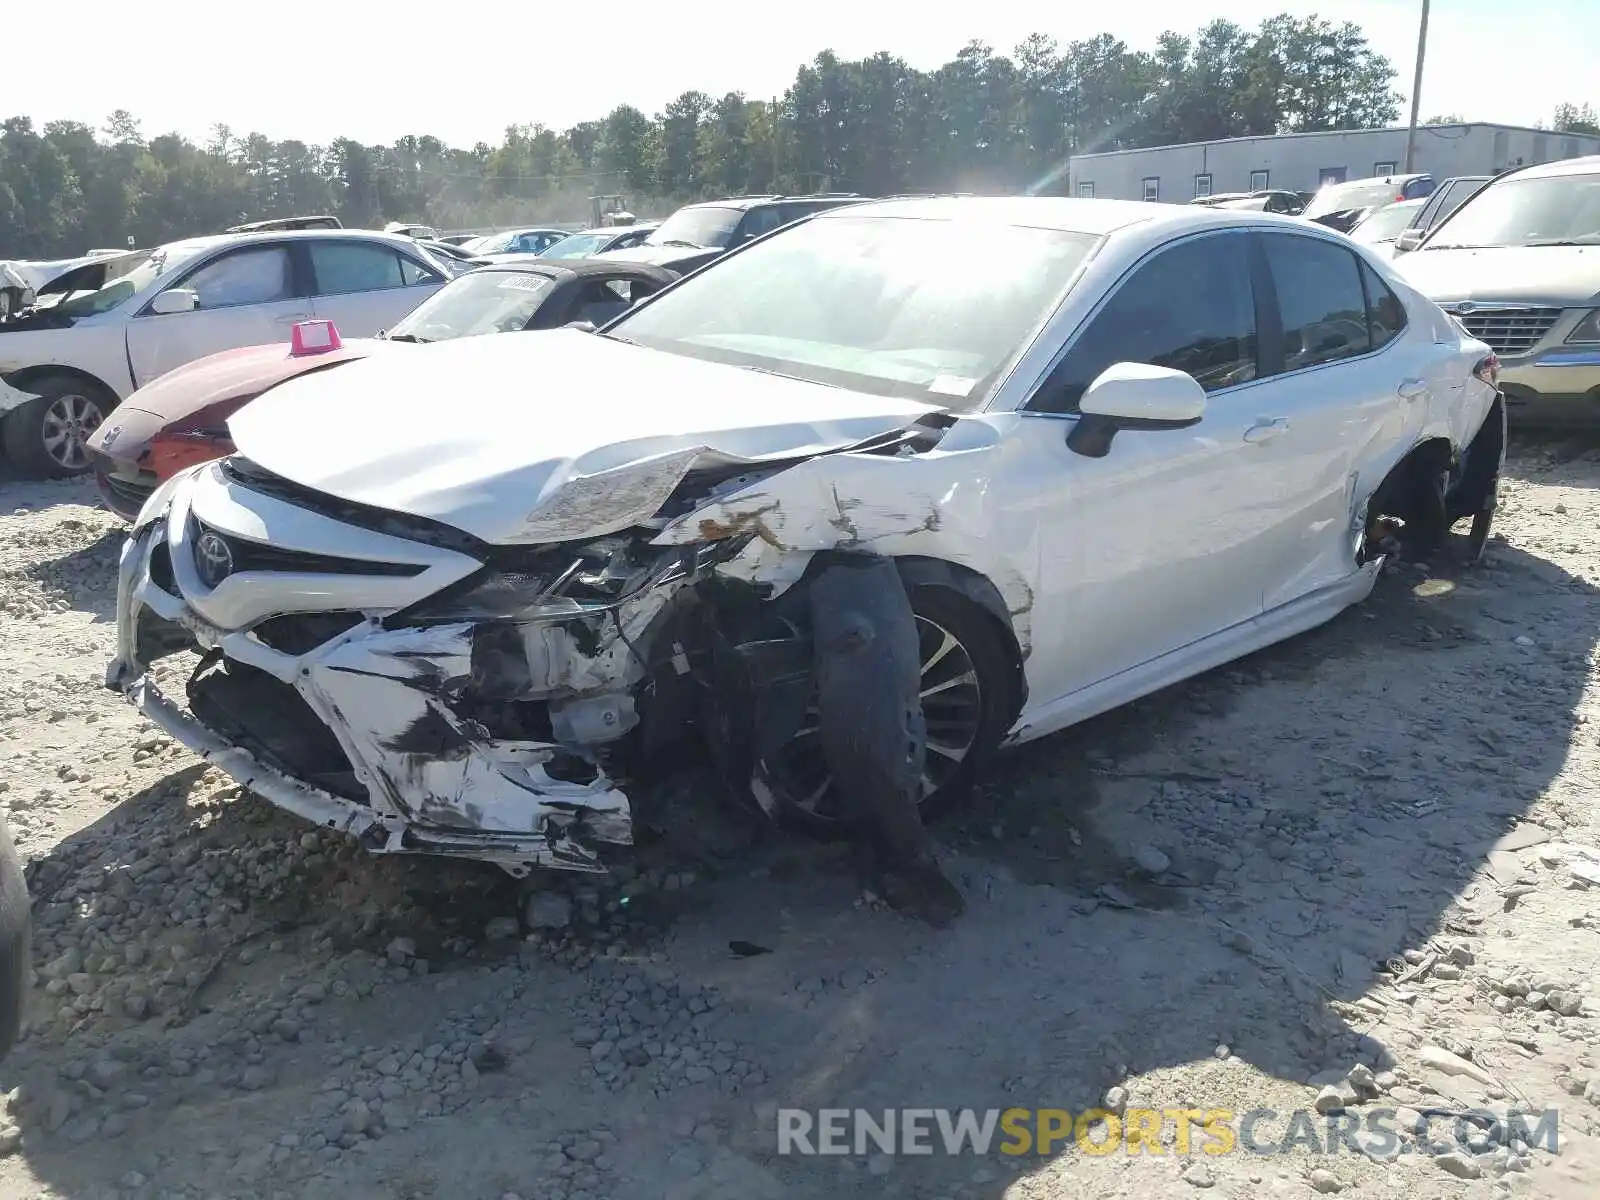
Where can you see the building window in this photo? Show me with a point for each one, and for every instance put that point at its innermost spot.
(1259, 180)
(1086, 191)
(1202, 185)
(1329, 176)
(1383, 168)
(1152, 189)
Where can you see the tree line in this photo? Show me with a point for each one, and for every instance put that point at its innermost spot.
(982, 122)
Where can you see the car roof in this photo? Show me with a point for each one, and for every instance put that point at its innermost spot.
(747, 202)
(1068, 214)
(533, 265)
(598, 230)
(1587, 165)
(1372, 179)
(196, 245)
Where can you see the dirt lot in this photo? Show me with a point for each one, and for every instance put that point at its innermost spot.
(1357, 859)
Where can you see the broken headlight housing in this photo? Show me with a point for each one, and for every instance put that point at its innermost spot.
(568, 581)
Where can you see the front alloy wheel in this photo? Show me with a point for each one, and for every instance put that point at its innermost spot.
(69, 422)
(967, 681)
(48, 438)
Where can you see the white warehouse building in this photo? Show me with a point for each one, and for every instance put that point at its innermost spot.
(1304, 162)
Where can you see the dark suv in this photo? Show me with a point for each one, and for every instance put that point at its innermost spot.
(698, 233)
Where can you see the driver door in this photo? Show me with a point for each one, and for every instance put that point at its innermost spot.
(1166, 540)
(248, 297)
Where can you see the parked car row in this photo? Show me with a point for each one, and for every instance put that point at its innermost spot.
(181, 418)
(96, 333)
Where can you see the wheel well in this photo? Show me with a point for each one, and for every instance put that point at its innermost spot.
(21, 379)
(977, 590)
(1412, 493)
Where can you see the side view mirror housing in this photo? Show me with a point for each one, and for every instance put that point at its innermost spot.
(1138, 396)
(175, 300)
(585, 326)
(1409, 240)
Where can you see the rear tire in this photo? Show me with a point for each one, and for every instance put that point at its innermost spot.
(977, 713)
(48, 438)
(1475, 491)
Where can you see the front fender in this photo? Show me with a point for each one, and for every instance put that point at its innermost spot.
(934, 507)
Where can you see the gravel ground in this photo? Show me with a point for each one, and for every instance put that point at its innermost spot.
(1352, 873)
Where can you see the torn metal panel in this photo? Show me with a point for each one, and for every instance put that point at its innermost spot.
(427, 777)
(935, 504)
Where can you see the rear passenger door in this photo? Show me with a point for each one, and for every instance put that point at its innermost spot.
(1347, 390)
(365, 287)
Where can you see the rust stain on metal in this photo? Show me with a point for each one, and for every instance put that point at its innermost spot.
(713, 530)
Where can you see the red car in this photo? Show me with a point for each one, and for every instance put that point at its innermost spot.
(182, 418)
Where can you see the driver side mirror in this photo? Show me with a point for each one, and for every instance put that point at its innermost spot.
(1138, 396)
(1409, 240)
(175, 300)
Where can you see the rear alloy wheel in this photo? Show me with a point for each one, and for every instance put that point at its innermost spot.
(48, 438)
(968, 686)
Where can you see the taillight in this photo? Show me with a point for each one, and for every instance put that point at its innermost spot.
(1488, 370)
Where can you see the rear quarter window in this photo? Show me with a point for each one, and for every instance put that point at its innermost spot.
(1386, 314)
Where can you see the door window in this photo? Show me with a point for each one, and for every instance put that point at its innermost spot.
(1449, 199)
(1386, 316)
(1159, 316)
(762, 220)
(259, 275)
(1320, 299)
(413, 272)
(342, 267)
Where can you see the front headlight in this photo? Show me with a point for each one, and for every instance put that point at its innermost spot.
(569, 581)
(1587, 331)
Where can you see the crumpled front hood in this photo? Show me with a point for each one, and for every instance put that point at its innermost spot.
(1562, 276)
(542, 437)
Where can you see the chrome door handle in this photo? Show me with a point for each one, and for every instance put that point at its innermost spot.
(1413, 389)
(1265, 431)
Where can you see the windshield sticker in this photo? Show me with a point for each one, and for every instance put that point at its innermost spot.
(952, 385)
(524, 283)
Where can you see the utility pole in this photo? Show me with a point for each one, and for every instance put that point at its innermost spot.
(1416, 88)
(777, 164)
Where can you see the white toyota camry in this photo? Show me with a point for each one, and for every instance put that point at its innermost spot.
(1101, 446)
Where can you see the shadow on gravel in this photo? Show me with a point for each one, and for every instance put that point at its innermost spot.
(1221, 872)
(1234, 862)
(85, 578)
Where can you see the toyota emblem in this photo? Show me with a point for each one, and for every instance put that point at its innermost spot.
(213, 558)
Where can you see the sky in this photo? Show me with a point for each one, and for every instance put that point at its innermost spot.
(327, 68)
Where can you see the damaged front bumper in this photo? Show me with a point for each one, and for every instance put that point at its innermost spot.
(480, 739)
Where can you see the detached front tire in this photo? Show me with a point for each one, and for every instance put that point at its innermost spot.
(48, 438)
(969, 700)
